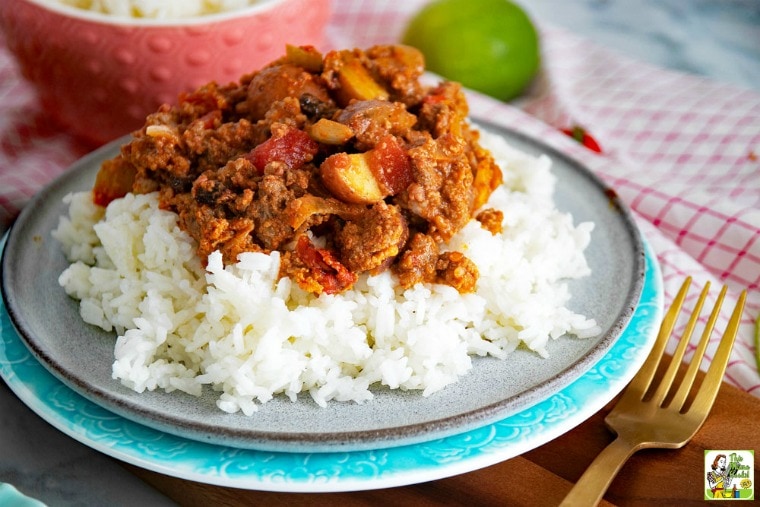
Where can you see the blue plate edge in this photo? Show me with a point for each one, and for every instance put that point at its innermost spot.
(325, 472)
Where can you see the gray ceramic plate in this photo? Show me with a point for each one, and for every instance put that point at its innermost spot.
(81, 356)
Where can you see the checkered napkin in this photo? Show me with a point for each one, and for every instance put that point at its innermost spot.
(683, 152)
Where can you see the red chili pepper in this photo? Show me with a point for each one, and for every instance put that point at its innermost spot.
(579, 134)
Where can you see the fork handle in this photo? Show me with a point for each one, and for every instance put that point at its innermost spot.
(592, 485)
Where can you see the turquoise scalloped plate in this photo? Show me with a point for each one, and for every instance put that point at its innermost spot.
(12, 497)
(81, 356)
(176, 456)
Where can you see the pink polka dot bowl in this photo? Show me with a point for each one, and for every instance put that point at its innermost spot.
(99, 75)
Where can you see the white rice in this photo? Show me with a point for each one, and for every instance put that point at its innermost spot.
(157, 9)
(251, 336)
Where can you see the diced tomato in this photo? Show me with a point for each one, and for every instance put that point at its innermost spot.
(391, 166)
(325, 268)
(291, 146)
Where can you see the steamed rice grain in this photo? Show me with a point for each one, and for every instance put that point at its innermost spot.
(252, 336)
(157, 9)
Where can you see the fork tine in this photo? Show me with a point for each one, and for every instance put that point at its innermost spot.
(667, 379)
(643, 378)
(640, 423)
(696, 360)
(714, 376)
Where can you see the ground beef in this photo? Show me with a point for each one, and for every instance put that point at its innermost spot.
(392, 173)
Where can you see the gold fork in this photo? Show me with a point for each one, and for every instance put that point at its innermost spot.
(661, 419)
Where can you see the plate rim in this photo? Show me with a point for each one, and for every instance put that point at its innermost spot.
(138, 445)
(351, 440)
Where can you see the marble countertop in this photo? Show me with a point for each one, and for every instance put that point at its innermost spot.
(720, 40)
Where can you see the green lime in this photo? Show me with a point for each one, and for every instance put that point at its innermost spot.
(490, 46)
